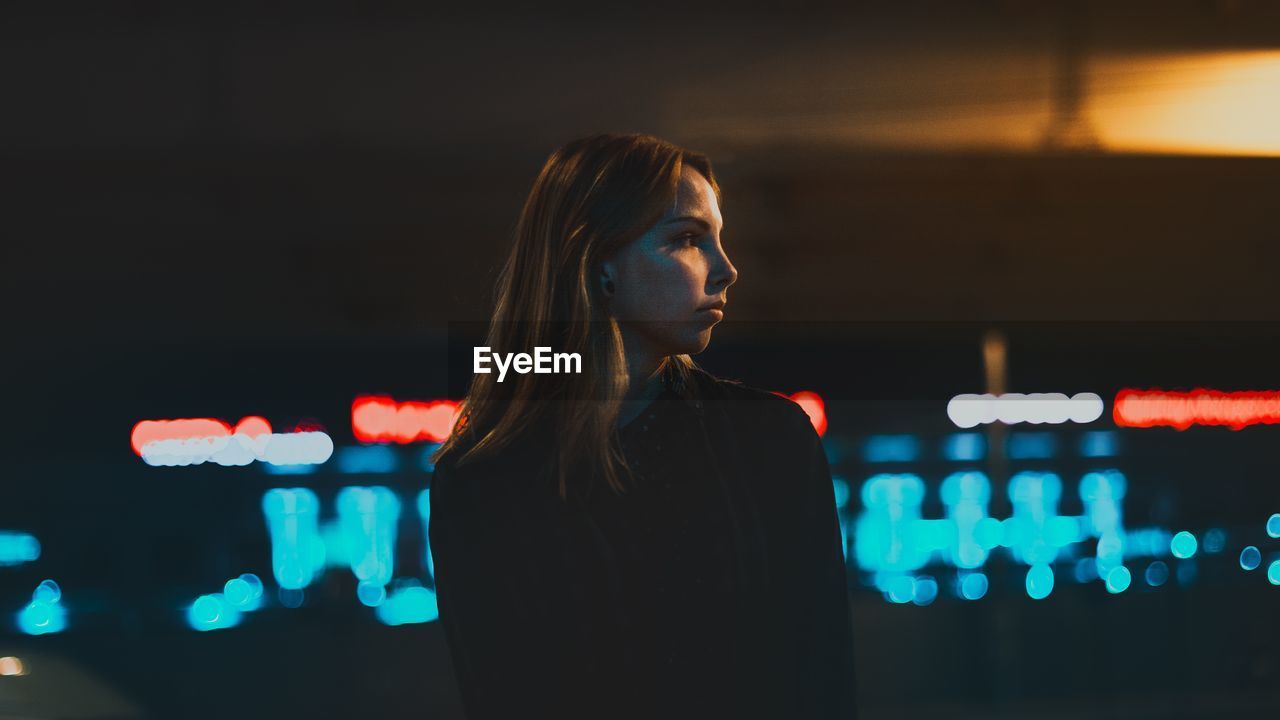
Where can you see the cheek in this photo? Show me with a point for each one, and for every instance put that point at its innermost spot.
(661, 287)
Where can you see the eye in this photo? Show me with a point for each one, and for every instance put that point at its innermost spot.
(685, 239)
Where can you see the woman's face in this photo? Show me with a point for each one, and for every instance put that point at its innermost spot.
(668, 281)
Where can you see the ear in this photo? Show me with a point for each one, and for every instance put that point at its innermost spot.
(607, 277)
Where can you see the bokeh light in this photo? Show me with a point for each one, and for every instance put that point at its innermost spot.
(1157, 573)
(1118, 579)
(970, 410)
(1039, 581)
(1183, 545)
(1250, 558)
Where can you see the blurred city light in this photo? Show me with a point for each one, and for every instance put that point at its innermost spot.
(1181, 410)
(212, 612)
(11, 666)
(1097, 444)
(424, 514)
(840, 487)
(368, 518)
(293, 523)
(1215, 540)
(408, 603)
(973, 586)
(1118, 579)
(1030, 446)
(17, 548)
(372, 459)
(926, 590)
(1039, 581)
(45, 613)
(148, 431)
(1183, 545)
(964, 447)
(424, 460)
(1157, 573)
(891, 448)
(283, 449)
(244, 592)
(814, 407)
(379, 418)
(970, 410)
(1200, 103)
(1250, 558)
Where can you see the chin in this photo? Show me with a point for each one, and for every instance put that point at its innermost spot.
(679, 338)
(693, 343)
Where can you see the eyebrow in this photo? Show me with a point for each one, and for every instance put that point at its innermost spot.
(693, 219)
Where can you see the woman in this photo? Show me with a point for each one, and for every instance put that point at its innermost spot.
(641, 539)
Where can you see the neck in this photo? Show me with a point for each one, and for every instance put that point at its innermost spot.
(643, 380)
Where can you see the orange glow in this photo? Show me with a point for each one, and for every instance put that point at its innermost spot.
(1149, 408)
(1206, 103)
(814, 407)
(378, 418)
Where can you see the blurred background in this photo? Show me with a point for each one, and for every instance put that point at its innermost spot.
(261, 220)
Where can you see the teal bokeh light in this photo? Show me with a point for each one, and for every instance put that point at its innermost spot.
(1157, 573)
(964, 447)
(44, 614)
(408, 603)
(973, 586)
(371, 594)
(1183, 545)
(840, 487)
(47, 591)
(293, 522)
(926, 590)
(212, 612)
(1215, 540)
(368, 517)
(1118, 579)
(901, 589)
(891, 448)
(1039, 581)
(244, 592)
(17, 548)
(1250, 558)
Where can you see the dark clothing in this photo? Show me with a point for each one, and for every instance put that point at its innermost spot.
(715, 588)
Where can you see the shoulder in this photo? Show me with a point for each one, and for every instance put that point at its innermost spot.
(754, 407)
(484, 480)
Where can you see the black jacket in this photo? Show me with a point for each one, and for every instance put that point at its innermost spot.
(717, 588)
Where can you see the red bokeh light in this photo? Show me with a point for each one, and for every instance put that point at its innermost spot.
(151, 430)
(1201, 406)
(379, 418)
(146, 431)
(253, 426)
(814, 407)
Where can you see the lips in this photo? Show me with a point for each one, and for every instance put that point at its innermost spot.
(713, 311)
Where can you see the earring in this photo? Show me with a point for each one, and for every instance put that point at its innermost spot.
(609, 287)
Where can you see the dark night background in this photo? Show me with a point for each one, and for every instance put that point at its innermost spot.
(228, 209)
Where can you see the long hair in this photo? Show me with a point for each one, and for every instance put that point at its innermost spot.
(592, 197)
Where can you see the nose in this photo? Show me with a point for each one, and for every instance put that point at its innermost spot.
(723, 273)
